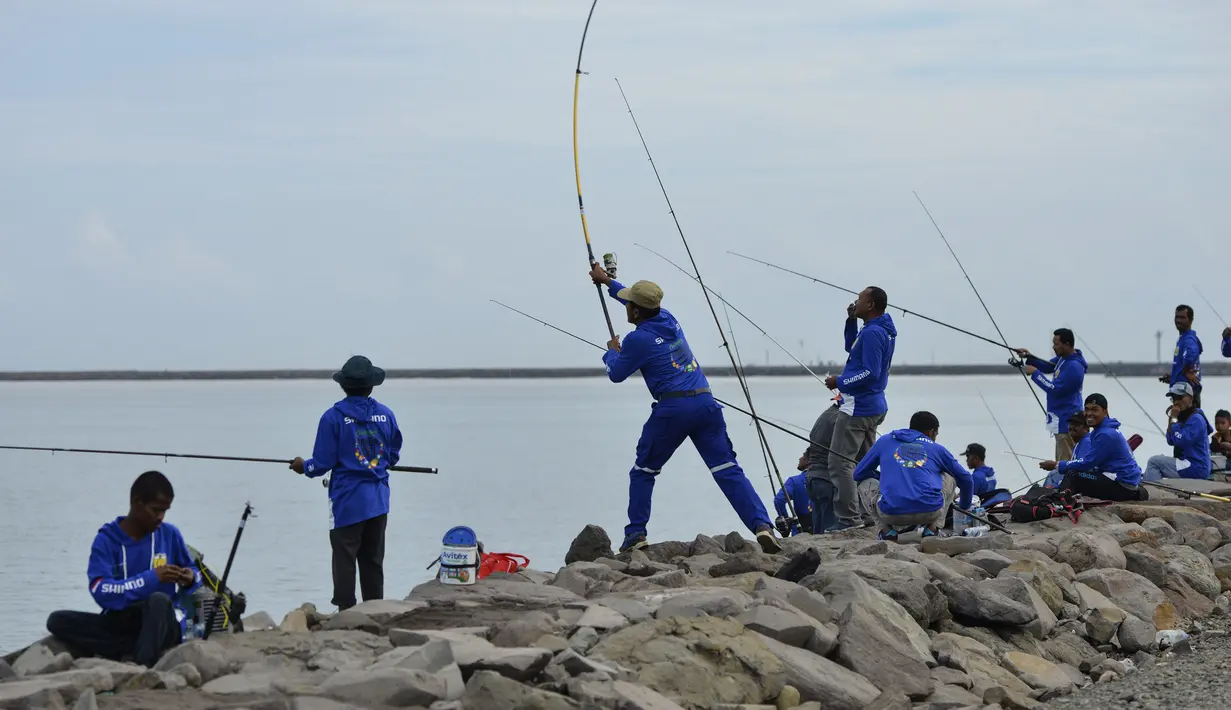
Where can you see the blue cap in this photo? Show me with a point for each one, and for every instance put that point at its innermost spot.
(460, 535)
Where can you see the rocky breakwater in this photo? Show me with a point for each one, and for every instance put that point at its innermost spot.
(1007, 622)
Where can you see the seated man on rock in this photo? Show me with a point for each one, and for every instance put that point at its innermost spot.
(140, 572)
(1187, 432)
(1078, 429)
(1106, 468)
(916, 481)
(797, 488)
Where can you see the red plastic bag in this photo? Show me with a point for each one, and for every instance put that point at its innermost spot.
(502, 562)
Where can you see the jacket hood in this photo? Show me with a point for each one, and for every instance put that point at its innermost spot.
(360, 409)
(1078, 357)
(884, 321)
(116, 534)
(1191, 334)
(1109, 423)
(905, 435)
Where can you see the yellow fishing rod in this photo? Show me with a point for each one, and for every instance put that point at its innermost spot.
(609, 262)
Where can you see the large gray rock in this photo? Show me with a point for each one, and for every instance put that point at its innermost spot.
(941, 567)
(989, 561)
(603, 618)
(1103, 618)
(819, 679)
(977, 602)
(1084, 550)
(1134, 594)
(40, 660)
(620, 695)
(1136, 635)
(705, 545)
(1071, 649)
(1129, 533)
(876, 651)
(352, 620)
(388, 686)
(1020, 591)
(1038, 673)
(746, 562)
(960, 545)
(491, 691)
(383, 611)
(700, 565)
(848, 588)
(785, 625)
(582, 578)
(711, 601)
(435, 657)
(907, 583)
(589, 545)
(630, 609)
(573, 664)
(524, 630)
(494, 589)
(1163, 533)
(1194, 567)
(1050, 586)
(208, 657)
(697, 662)
(951, 697)
(67, 685)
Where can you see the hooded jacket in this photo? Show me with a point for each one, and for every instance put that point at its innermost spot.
(984, 480)
(122, 571)
(797, 487)
(1063, 388)
(658, 349)
(1187, 354)
(911, 467)
(866, 374)
(358, 439)
(1055, 478)
(1106, 451)
(1190, 437)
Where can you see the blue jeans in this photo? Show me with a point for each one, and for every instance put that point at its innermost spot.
(821, 491)
(700, 419)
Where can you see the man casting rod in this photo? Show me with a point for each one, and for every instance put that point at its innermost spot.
(745, 412)
(704, 290)
(408, 469)
(1025, 377)
(905, 311)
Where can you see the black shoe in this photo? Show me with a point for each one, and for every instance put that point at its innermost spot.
(635, 541)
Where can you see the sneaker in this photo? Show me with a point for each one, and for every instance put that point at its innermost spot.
(888, 535)
(769, 545)
(840, 527)
(927, 531)
(633, 542)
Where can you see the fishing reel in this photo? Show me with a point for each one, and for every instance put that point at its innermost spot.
(1014, 362)
(609, 264)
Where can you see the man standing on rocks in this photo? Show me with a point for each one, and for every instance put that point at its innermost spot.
(1188, 432)
(916, 481)
(849, 427)
(358, 439)
(1063, 388)
(1106, 468)
(140, 573)
(683, 408)
(1186, 362)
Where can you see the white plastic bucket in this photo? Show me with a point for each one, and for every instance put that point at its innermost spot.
(459, 557)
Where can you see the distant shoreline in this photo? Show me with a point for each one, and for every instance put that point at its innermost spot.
(1127, 369)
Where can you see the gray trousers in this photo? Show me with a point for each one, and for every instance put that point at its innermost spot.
(870, 493)
(847, 437)
(1160, 467)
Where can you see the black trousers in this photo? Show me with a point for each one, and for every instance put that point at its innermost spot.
(1096, 485)
(143, 631)
(362, 543)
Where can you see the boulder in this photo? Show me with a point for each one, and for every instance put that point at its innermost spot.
(524, 630)
(821, 680)
(40, 660)
(583, 639)
(986, 675)
(941, 567)
(734, 543)
(1070, 649)
(864, 547)
(1129, 533)
(849, 588)
(620, 695)
(1163, 533)
(667, 551)
(706, 545)
(1194, 567)
(1204, 540)
(697, 662)
(960, 545)
(950, 676)
(714, 601)
(351, 620)
(66, 686)
(1038, 673)
(673, 580)
(573, 664)
(208, 657)
(435, 657)
(1103, 618)
(1221, 559)
(979, 603)
(907, 583)
(1135, 594)
(581, 578)
(746, 562)
(989, 561)
(1084, 550)
(950, 697)
(491, 691)
(1136, 635)
(382, 611)
(785, 625)
(1020, 591)
(521, 664)
(700, 565)
(589, 545)
(1046, 583)
(603, 618)
(630, 609)
(295, 621)
(875, 650)
(507, 591)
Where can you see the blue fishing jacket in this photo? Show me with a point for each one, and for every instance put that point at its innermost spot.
(1190, 438)
(658, 350)
(1187, 354)
(1063, 388)
(797, 487)
(358, 440)
(123, 571)
(1106, 451)
(911, 473)
(866, 374)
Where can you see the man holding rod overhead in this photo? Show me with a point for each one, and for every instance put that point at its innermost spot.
(683, 408)
(1068, 374)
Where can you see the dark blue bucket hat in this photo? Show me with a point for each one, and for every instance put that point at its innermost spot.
(359, 372)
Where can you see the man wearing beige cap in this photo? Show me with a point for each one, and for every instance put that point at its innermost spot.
(683, 409)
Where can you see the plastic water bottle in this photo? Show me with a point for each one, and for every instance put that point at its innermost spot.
(961, 521)
(976, 531)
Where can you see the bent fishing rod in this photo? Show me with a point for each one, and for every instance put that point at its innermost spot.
(164, 456)
(609, 264)
(1174, 489)
(905, 311)
(726, 303)
(1025, 377)
(717, 323)
(755, 417)
(1116, 377)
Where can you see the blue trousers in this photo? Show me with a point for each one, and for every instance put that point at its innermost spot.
(700, 419)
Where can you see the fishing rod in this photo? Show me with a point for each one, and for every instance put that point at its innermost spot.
(760, 434)
(905, 311)
(823, 447)
(1116, 377)
(609, 263)
(164, 456)
(220, 599)
(1174, 489)
(1211, 305)
(1025, 377)
(1005, 437)
(697, 271)
(726, 303)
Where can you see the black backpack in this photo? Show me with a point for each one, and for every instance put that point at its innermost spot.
(1041, 503)
(230, 616)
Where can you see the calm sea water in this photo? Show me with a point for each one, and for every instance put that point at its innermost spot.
(527, 463)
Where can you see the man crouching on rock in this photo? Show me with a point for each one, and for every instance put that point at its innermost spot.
(916, 482)
(140, 572)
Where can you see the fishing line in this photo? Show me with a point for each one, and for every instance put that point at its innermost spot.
(1115, 377)
(54, 450)
(1004, 436)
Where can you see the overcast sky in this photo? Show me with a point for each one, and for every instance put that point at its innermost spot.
(283, 184)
